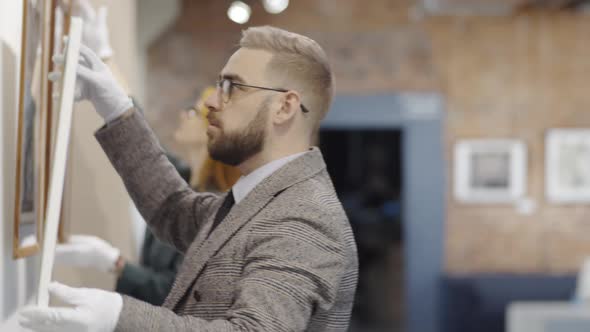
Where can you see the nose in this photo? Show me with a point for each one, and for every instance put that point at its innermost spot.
(212, 102)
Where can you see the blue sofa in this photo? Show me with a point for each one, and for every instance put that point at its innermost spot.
(478, 303)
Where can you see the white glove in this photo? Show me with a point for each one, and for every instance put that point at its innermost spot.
(93, 310)
(96, 83)
(95, 34)
(87, 251)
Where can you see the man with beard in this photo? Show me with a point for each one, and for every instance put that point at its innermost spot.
(275, 253)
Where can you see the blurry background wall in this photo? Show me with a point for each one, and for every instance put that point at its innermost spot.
(514, 77)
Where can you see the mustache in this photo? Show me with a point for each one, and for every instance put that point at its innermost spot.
(213, 120)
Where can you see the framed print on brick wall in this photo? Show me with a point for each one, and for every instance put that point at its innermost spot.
(567, 169)
(489, 171)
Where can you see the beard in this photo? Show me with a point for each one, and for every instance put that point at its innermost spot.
(235, 148)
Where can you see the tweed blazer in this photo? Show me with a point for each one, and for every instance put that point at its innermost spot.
(283, 259)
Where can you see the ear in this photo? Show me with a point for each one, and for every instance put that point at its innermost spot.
(290, 104)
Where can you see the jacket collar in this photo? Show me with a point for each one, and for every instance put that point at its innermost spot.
(246, 183)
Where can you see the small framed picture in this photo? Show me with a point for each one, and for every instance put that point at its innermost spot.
(490, 171)
(567, 172)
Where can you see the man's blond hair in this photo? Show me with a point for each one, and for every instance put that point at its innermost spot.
(299, 63)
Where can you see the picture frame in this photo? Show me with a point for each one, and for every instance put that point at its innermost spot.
(490, 171)
(31, 157)
(36, 120)
(59, 160)
(567, 171)
(61, 14)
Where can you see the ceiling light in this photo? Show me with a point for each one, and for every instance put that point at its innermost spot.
(275, 6)
(239, 12)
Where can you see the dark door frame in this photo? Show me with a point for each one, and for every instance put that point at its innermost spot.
(420, 117)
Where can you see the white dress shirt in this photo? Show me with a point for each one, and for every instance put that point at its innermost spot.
(245, 184)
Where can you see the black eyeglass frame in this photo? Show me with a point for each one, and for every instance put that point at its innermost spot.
(232, 84)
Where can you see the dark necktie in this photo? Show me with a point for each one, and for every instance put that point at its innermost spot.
(226, 206)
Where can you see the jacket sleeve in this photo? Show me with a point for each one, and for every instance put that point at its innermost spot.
(174, 212)
(287, 276)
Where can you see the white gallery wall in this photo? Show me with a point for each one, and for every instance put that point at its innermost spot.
(153, 18)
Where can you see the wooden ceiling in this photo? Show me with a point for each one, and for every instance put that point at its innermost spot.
(494, 7)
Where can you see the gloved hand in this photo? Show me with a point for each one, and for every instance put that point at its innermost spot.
(87, 251)
(96, 83)
(94, 310)
(95, 34)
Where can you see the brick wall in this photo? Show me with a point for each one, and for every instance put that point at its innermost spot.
(514, 77)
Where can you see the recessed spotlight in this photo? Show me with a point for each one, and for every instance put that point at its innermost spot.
(239, 12)
(275, 6)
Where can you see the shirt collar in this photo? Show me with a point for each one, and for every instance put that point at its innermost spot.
(247, 183)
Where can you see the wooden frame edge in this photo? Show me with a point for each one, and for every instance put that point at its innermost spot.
(21, 252)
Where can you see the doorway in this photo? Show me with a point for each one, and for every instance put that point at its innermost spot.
(418, 119)
(365, 166)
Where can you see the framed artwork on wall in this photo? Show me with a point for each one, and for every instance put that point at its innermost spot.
(29, 207)
(567, 169)
(44, 23)
(489, 171)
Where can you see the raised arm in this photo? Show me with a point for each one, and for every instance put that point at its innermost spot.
(171, 208)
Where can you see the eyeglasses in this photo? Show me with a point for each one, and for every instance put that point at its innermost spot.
(225, 86)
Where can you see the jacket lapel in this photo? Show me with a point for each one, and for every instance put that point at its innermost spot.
(184, 274)
(203, 248)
